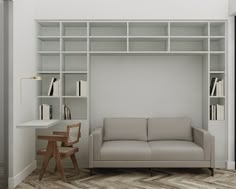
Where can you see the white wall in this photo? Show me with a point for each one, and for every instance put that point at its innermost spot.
(232, 7)
(132, 9)
(146, 86)
(22, 141)
(26, 11)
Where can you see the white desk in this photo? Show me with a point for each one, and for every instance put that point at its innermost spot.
(38, 124)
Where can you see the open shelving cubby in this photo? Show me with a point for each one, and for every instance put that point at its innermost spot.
(62, 54)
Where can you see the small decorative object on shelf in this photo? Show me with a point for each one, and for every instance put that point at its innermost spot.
(45, 112)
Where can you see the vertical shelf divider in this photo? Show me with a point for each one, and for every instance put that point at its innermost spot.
(168, 43)
(88, 71)
(127, 34)
(208, 69)
(61, 70)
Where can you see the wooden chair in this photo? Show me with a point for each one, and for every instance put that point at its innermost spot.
(67, 139)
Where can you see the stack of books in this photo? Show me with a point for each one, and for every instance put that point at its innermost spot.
(82, 88)
(217, 112)
(45, 112)
(66, 112)
(54, 87)
(217, 87)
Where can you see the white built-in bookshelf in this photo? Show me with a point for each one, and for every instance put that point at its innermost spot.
(65, 48)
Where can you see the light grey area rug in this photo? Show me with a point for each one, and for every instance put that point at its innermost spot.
(134, 179)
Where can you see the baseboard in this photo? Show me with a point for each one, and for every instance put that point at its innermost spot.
(14, 181)
(220, 164)
(230, 164)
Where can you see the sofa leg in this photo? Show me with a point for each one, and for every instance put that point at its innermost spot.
(212, 171)
(91, 171)
(151, 173)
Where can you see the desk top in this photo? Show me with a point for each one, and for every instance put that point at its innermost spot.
(38, 124)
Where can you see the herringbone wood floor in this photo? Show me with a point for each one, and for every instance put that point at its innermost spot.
(134, 179)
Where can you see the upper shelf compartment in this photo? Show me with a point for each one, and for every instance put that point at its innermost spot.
(74, 29)
(189, 29)
(48, 29)
(148, 29)
(108, 29)
(217, 29)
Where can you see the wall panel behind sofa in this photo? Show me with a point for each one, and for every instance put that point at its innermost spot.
(146, 86)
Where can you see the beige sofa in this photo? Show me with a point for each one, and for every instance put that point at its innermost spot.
(151, 143)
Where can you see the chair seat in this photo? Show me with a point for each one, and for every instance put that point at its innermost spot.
(175, 151)
(62, 150)
(125, 151)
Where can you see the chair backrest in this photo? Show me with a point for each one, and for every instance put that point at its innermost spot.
(73, 134)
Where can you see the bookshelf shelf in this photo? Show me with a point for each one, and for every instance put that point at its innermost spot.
(82, 97)
(48, 96)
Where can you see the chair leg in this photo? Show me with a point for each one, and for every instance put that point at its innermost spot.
(47, 157)
(75, 163)
(91, 171)
(60, 167)
(212, 171)
(55, 169)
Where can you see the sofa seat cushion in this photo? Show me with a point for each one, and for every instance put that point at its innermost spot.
(125, 128)
(169, 128)
(125, 151)
(175, 151)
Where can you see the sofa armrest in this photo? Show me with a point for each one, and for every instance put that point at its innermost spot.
(204, 139)
(96, 140)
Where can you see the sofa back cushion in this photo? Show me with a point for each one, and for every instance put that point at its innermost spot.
(169, 129)
(125, 129)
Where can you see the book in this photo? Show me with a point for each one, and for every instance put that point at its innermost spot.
(45, 112)
(66, 113)
(40, 112)
(56, 87)
(83, 88)
(50, 89)
(77, 88)
(213, 86)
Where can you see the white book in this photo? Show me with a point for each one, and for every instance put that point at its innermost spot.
(83, 88)
(40, 112)
(217, 88)
(222, 87)
(56, 88)
(214, 112)
(223, 112)
(218, 112)
(46, 112)
(77, 89)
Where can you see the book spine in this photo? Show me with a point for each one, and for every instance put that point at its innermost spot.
(77, 88)
(213, 93)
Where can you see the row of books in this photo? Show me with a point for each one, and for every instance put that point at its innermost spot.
(217, 87)
(45, 112)
(54, 87)
(217, 112)
(81, 88)
(66, 112)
